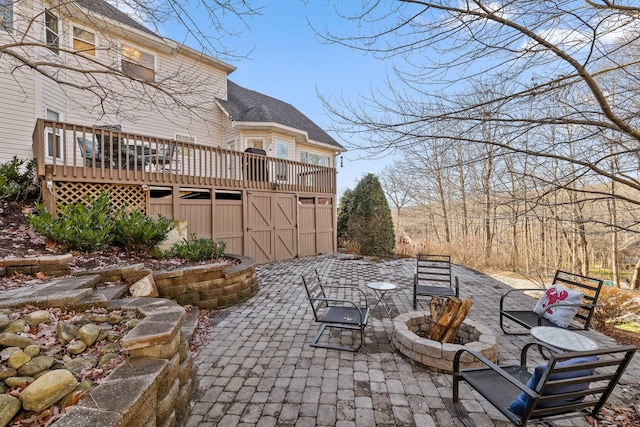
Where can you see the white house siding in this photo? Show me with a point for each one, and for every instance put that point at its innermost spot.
(17, 94)
(18, 108)
(26, 95)
(152, 118)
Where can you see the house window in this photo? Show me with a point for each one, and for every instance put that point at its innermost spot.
(52, 35)
(84, 41)
(314, 159)
(255, 143)
(53, 141)
(231, 145)
(6, 15)
(185, 138)
(137, 64)
(282, 152)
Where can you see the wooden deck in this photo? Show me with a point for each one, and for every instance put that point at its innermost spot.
(263, 207)
(140, 159)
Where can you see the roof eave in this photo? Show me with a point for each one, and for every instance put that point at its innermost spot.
(244, 125)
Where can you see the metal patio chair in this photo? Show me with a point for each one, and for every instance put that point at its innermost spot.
(336, 306)
(528, 318)
(571, 384)
(433, 278)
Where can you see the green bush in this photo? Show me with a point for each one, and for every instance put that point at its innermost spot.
(136, 232)
(88, 227)
(18, 185)
(81, 227)
(198, 250)
(369, 221)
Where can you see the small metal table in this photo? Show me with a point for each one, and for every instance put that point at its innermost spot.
(380, 289)
(562, 339)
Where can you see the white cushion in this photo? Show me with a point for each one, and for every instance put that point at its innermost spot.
(559, 315)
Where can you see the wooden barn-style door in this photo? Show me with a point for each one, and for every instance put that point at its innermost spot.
(271, 233)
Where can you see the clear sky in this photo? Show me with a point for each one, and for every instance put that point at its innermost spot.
(289, 63)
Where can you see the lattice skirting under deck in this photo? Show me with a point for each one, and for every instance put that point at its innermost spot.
(132, 196)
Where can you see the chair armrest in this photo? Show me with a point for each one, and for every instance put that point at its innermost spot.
(537, 345)
(497, 369)
(506, 294)
(353, 288)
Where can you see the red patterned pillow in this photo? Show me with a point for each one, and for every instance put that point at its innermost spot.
(559, 315)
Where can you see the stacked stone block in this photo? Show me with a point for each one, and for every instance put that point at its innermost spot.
(410, 329)
(153, 387)
(51, 265)
(211, 286)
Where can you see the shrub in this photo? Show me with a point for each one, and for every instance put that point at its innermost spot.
(17, 185)
(136, 232)
(369, 220)
(81, 227)
(198, 250)
(343, 217)
(88, 227)
(615, 306)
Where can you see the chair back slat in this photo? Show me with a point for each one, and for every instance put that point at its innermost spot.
(313, 286)
(591, 288)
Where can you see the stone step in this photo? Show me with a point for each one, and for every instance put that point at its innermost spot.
(113, 292)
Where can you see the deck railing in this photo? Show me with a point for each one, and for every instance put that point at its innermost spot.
(76, 153)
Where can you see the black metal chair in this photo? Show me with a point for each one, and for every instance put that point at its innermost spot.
(527, 318)
(336, 306)
(89, 151)
(433, 278)
(570, 385)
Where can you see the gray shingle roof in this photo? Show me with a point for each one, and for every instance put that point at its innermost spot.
(244, 105)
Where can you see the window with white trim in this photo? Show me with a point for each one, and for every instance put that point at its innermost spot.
(282, 152)
(314, 159)
(53, 138)
(6, 15)
(255, 143)
(84, 41)
(52, 32)
(137, 64)
(185, 138)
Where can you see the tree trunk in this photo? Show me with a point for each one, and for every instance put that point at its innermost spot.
(635, 281)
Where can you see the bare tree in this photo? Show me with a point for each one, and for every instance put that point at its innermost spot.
(541, 49)
(397, 185)
(100, 83)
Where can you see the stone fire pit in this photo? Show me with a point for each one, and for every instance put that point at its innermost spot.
(407, 331)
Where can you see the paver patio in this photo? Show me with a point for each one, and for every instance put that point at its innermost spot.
(259, 370)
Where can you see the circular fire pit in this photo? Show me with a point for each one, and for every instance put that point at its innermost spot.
(408, 332)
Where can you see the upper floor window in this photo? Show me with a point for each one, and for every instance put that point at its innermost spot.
(52, 34)
(314, 159)
(6, 15)
(255, 143)
(137, 64)
(84, 41)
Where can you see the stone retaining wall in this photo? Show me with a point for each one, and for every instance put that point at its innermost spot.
(153, 386)
(210, 286)
(51, 265)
